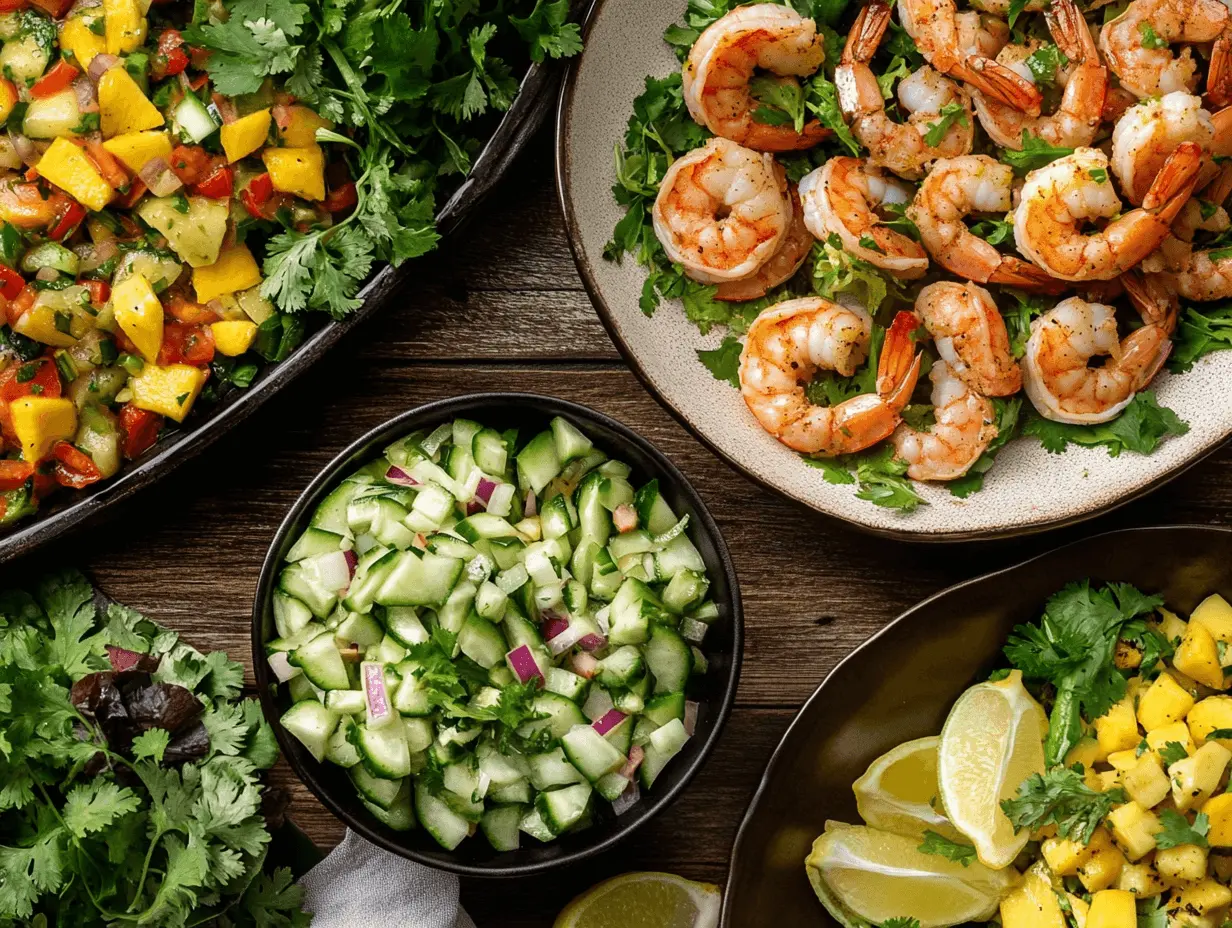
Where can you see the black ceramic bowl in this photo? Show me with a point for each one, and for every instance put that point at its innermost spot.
(901, 683)
(474, 857)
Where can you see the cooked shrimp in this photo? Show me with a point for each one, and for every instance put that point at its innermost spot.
(797, 244)
(1059, 197)
(965, 424)
(1206, 276)
(1149, 132)
(1057, 375)
(969, 333)
(955, 188)
(790, 342)
(980, 34)
(901, 147)
(838, 199)
(722, 211)
(936, 29)
(1136, 45)
(716, 75)
(1077, 118)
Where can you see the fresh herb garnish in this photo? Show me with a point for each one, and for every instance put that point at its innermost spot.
(1177, 830)
(1171, 752)
(1060, 797)
(1140, 427)
(1035, 154)
(950, 113)
(950, 850)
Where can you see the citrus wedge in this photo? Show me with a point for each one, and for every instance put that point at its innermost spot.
(899, 792)
(644, 900)
(990, 743)
(866, 876)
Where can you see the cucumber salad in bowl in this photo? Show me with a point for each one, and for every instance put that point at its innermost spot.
(493, 634)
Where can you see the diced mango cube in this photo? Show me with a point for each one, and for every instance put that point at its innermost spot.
(1215, 615)
(1197, 657)
(1124, 760)
(1117, 729)
(1102, 867)
(1171, 625)
(244, 136)
(1185, 863)
(1200, 898)
(1164, 703)
(1158, 739)
(1218, 809)
(39, 322)
(1135, 829)
(1196, 777)
(139, 314)
(124, 26)
(1145, 782)
(134, 149)
(299, 171)
(235, 269)
(123, 107)
(1112, 908)
(233, 337)
(297, 126)
(1032, 904)
(39, 422)
(1064, 856)
(84, 43)
(1086, 752)
(1208, 715)
(169, 390)
(1140, 879)
(70, 169)
(1103, 780)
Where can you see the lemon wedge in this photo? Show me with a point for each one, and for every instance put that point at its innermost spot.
(899, 791)
(644, 900)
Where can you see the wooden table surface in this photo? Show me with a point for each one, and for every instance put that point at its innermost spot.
(501, 307)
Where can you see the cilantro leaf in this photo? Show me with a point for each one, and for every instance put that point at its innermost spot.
(1060, 797)
(901, 921)
(90, 807)
(1045, 62)
(151, 744)
(1140, 428)
(950, 113)
(1200, 332)
(950, 850)
(256, 41)
(891, 75)
(1035, 154)
(1177, 830)
(724, 361)
(1171, 752)
(548, 32)
(994, 231)
(273, 900)
(782, 100)
(821, 98)
(882, 481)
(833, 470)
(1149, 37)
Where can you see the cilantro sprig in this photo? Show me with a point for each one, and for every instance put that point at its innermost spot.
(1060, 797)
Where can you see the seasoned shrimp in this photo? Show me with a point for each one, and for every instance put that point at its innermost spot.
(1136, 45)
(1059, 197)
(722, 211)
(965, 424)
(716, 75)
(979, 34)
(969, 333)
(1077, 118)
(790, 342)
(938, 33)
(900, 147)
(1149, 132)
(797, 244)
(838, 199)
(1206, 276)
(955, 188)
(1057, 375)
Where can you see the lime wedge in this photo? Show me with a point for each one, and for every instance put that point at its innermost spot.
(644, 900)
(899, 791)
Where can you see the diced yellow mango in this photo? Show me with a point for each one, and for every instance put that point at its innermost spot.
(124, 26)
(1064, 856)
(39, 323)
(139, 314)
(1117, 729)
(1135, 829)
(1104, 780)
(1086, 752)
(233, 337)
(1112, 908)
(70, 169)
(1208, 715)
(1185, 863)
(1127, 656)
(122, 106)
(1196, 777)
(299, 171)
(169, 390)
(1197, 657)
(1158, 739)
(134, 149)
(1079, 908)
(1200, 898)
(1102, 867)
(244, 136)
(298, 127)
(77, 37)
(235, 269)
(1032, 904)
(39, 422)
(1124, 760)
(1140, 879)
(1146, 782)
(1215, 615)
(1171, 626)
(1218, 809)
(1164, 703)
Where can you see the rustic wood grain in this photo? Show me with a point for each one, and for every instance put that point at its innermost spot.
(503, 308)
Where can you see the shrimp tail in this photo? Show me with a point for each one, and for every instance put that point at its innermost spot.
(866, 33)
(1157, 303)
(1014, 272)
(1219, 75)
(763, 137)
(996, 80)
(1070, 31)
(1175, 182)
(898, 369)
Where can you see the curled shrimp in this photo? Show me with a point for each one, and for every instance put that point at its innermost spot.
(1144, 137)
(716, 75)
(901, 147)
(1077, 118)
(965, 423)
(955, 188)
(721, 211)
(790, 342)
(1206, 276)
(839, 198)
(1137, 44)
(1058, 377)
(936, 29)
(796, 246)
(1060, 197)
(969, 333)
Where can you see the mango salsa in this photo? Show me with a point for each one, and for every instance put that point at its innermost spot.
(298, 125)
(39, 422)
(68, 167)
(169, 391)
(244, 136)
(300, 171)
(123, 107)
(125, 26)
(140, 314)
(233, 337)
(235, 269)
(134, 149)
(82, 42)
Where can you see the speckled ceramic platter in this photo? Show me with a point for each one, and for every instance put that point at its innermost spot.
(1028, 490)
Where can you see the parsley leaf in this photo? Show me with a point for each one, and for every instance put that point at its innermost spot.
(821, 98)
(724, 361)
(1150, 38)
(1035, 154)
(994, 231)
(950, 113)
(1045, 62)
(1171, 752)
(1200, 332)
(1027, 307)
(891, 75)
(782, 100)
(1140, 427)
(833, 470)
(1060, 797)
(1177, 830)
(950, 850)
(547, 30)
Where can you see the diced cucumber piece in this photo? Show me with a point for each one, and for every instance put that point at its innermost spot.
(403, 624)
(411, 697)
(459, 463)
(501, 769)
(706, 612)
(386, 651)
(345, 702)
(615, 492)
(484, 525)
(507, 552)
(463, 780)
(490, 601)
(305, 586)
(194, 120)
(311, 724)
(590, 753)
(554, 518)
(552, 769)
(576, 598)
(519, 631)
(558, 715)
(669, 738)
(290, 615)
(570, 442)
(300, 688)
(669, 659)
(383, 750)
(665, 707)
(532, 824)
(419, 580)
(686, 589)
(653, 512)
(565, 683)
(621, 736)
(331, 514)
(373, 567)
(490, 452)
(621, 667)
(539, 462)
(629, 618)
(500, 826)
(482, 642)
(314, 541)
(629, 702)
(448, 546)
(519, 792)
(656, 757)
(612, 786)
(677, 555)
(432, 506)
(400, 816)
(321, 663)
(439, 820)
(452, 615)
(463, 432)
(376, 790)
(359, 628)
(562, 808)
(594, 519)
(340, 750)
(637, 541)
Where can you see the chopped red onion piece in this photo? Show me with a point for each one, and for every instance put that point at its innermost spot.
(522, 662)
(627, 800)
(397, 475)
(334, 570)
(532, 505)
(636, 756)
(567, 639)
(87, 95)
(215, 306)
(592, 642)
(624, 517)
(352, 560)
(100, 64)
(47, 273)
(282, 668)
(158, 176)
(473, 507)
(583, 664)
(376, 697)
(690, 717)
(484, 490)
(610, 720)
(553, 624)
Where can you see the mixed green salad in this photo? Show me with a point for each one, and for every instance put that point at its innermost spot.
(130, 790)
(495, 634)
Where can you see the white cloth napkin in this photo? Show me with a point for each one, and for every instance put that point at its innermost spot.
(359, 885)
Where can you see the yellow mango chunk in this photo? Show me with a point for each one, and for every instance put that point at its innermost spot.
(1124, 760)
(39, 422)
(169, 390)
(1146, 782)
(1032, 904)
(1064, 856)
(1200, 898)
(1215, 615)
(39, 323)
(1185, 863)
(301, 125)
(1140, 879)
(1135, 829)
(77, 37)
(124, 26)
(1197, 657)
(1196, 777)
(1164, 703)
(299, 171)
(140, 314)
(122, 106)
(244, 136)
(1117, 729)
(235, 269)
(1158, 739)
(1218, 809)
(134, 149)
(233, 337)
(70, 169)
(1208, 715)
(1104, 866)
(1112, 908)
(1086, 752)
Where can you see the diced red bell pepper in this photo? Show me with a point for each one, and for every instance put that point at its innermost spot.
(54, 8)
(108, 164)
(67, 222)
(257, 194)
(217, 185)
(190, 163)
(9, 6)
(30, 378)
(128, 199)
(74, 468)
(99, 290)
(171, 58)
(20, 304)
(140, 427)
(11, 282)
(14, 474)
(60, 76)
(341, 199)
(186, 344)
